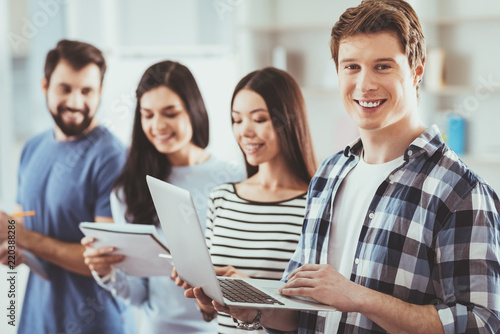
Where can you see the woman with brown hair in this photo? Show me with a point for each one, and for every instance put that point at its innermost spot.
(169, 138)
(253, 227)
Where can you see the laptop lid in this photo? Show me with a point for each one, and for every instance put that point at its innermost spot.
(192, 261)
(178, 218)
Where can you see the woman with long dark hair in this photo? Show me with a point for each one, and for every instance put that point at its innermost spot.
(253, 227)
(169, 137)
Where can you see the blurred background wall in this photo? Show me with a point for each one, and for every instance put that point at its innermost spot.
(222, 40)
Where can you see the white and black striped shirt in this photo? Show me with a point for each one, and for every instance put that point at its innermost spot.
(257, 238)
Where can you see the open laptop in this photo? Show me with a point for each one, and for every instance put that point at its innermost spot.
(187, 245)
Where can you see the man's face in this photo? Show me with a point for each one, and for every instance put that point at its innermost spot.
(377, 84)
(73, 96)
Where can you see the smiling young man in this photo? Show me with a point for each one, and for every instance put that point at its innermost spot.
(66, 175)
(399, 235)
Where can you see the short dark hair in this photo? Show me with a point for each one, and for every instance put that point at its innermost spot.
(373, 16)
(287, 109)
(77, 54)
(143, 158)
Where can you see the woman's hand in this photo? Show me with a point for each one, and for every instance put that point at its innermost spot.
(204, 302)
(208, 305)
(99, 259)
(178, 281)
(229, 271)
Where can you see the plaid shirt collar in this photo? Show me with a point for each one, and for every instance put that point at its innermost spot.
(427, 143)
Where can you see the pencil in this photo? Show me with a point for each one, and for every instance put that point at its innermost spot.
(23, 214)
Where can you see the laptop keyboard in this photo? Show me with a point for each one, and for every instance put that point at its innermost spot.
(239, 291)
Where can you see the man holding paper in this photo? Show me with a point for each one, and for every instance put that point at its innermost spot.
(66, 175)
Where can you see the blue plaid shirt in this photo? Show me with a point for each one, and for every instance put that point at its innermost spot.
(431, 236)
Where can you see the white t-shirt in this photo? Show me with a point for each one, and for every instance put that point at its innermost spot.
(349, 211)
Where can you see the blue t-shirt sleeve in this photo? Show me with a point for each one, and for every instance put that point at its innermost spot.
(105, 180)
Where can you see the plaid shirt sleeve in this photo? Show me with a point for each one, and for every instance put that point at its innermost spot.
(452, 254)
(468, 261)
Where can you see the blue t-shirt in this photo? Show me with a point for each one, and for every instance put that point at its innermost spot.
(67, 183)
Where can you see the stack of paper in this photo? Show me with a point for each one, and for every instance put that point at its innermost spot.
(139, 243)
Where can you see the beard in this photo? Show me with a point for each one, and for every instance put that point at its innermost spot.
(71, 129)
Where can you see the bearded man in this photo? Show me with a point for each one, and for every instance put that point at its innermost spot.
(66, 175)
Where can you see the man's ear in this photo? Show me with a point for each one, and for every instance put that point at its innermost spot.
(418, 74)
(45, 86)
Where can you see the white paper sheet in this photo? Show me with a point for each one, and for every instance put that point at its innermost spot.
(139, 243)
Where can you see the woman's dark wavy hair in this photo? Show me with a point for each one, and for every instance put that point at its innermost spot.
(143, 158)
(287, 109)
